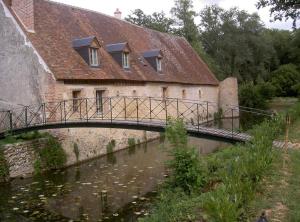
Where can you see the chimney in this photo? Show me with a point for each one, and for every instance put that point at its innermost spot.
(118, 14)
(25, 13)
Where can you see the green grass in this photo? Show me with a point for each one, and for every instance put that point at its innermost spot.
(282, 103)
(294, 132)
(10, 139)
(293, 191)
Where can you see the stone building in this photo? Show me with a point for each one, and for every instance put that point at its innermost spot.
(51, 51)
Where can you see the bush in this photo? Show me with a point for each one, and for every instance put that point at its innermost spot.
(219, 206)
(131, 142)
(250, 96)
(76, 151)
(284, 78)
(4, 171)
(52, 156)
(110, 146)
(185, 166)
(174, 206)
(266, 90)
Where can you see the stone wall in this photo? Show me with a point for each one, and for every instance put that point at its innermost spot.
(20, 157)
(228, 95)
(22, 71)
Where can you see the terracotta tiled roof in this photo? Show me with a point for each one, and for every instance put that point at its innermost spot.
(57, 25)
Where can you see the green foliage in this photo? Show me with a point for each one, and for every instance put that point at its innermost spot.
(174, 206)
(157, 21)
(4, 171)
(52, 156)
(185, 165)
(76, 151)
(266, 90)
(131, 142)
(219, 206)
(37, 165)
(250, 96)
(110, 146)
(10, 139)
(282, 9)
(284, 79)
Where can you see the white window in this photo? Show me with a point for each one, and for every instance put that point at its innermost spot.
(94, 61)
(99, 101)
(125, 60)
(158, 64)
(76, 98)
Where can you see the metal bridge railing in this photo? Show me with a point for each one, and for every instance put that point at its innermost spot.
(195, 114)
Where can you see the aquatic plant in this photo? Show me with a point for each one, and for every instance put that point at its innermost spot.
(4, 171)
(110, 146)
(186, 170)
(52, 155)
(76, 151)
(131, 142)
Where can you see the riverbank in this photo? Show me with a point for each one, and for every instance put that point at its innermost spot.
(234, 179)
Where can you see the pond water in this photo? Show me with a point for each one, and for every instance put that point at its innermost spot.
(117, 187)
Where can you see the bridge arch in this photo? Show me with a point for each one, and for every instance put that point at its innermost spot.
(139, 113)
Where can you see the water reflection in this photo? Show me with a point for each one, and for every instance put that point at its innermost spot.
(115, 187)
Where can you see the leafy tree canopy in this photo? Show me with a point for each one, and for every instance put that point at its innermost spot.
(282, 9)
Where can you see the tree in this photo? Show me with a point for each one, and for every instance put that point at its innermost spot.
(157, 21)
(235, 40)
(285, 79)
(184, 19)
(282, 9)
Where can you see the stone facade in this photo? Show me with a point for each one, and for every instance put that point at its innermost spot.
(228, 95)
(25, 79)
(20, 157)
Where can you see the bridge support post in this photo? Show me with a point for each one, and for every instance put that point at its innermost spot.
(198, 120)
(207, 113)
(177, 109)
(10, 120)
(137, 109)
(125, 109)
(166, 109)
(232, 122)
(44, 113)
(150, 108)
(25, 113)
(86, 110)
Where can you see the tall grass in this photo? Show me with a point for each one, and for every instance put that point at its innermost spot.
(224, 183)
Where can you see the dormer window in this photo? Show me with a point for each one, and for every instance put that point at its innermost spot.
(94, 61)
(125, 61)
(88, 49)
(158, 64)
(120, 53)
(154, 58)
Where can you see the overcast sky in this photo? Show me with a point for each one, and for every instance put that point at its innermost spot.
(149, 6)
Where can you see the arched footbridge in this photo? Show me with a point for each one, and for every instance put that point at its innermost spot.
(202, 119)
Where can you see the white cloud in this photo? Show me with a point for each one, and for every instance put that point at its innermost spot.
(109, 6)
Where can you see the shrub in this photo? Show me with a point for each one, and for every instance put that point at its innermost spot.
(4, 171)
(250, 96)
(131, 142)
(76, 151)
(284, 78)
(52, 156)
(220, 206)
(266, 90)
(110, 146)
(37, 165)
(185, 165)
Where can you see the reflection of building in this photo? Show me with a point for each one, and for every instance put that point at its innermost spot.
(50, 51)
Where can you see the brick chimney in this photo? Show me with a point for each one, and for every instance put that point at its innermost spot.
(25, 13)
(118, 14)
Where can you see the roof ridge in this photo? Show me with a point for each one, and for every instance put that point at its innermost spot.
(110, 16)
